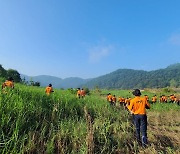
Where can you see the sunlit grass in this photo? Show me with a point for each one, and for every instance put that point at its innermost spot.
(32, 122)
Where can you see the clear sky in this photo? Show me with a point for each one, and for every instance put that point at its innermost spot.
(88, 38)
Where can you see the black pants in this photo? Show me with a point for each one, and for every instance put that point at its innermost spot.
(140, 122)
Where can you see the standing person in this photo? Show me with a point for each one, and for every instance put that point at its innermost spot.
(146, 97)
(83, 93)
(138, 106)
(114, 99)
(8, 83)
(154, 99)
(79, 93)
(49, 89)
(109, 98)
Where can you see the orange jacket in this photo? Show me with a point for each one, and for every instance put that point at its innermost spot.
(48, 90)
(147, 98)
(172, 98)
(83, 92)
(154, 98)
(78, 92)
(114, 99)
(127, 101)
(138, 105)
(109, 98)
(8, 84)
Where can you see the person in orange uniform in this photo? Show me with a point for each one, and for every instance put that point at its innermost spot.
(7, 84)
(146, 97)
(109, 99)
(83, 93)
(138, 106)
(79, 93)
(164, 98)
(114, 99)
(154, 99)
(49, 89)
(172, 98)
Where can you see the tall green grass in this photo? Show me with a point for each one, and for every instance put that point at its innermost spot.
(32, 122)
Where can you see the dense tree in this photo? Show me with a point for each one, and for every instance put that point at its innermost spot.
(3, 72)
(14, 74)
(10, 73)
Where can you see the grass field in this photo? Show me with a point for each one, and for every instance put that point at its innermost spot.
(32, 122)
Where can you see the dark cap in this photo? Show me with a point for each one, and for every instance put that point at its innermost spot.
(136, 92)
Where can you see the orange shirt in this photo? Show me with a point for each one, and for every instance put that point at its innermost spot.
(8, 84)
(49, 90)
(164, 98)
(127, 101)
(114, 99)
(109, 98)
(172, 98)
(78, 92)
(146, 97)
(154, 99)
(83, 93)
(121, 99)
(138, 105)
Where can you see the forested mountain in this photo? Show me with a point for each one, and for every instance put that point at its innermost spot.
(121, 78)
(73, 82)
(128, 78)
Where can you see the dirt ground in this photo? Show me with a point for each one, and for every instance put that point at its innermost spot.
(163, 132)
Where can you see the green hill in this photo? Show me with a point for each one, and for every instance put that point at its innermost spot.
(128, 78)
(72, 82)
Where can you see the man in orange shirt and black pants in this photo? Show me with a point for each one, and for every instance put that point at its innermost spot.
(138, 106)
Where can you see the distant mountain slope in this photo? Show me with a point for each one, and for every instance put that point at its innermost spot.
(128, 78)
(73, 82)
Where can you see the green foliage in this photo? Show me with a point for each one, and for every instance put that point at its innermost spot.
(168, 90)
(32, 122)
(10, 73)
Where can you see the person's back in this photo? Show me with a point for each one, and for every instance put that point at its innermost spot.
(49, 89)
(8, 83)
(154, 99)
(138, 107)
(78, 93)
(83, 93)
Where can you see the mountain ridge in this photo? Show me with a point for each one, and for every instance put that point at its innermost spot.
(120, 78)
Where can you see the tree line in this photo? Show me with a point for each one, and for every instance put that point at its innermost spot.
(129, 78)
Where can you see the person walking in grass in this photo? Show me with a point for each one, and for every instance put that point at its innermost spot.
(83, 93)
(138, 106)
(154, 99)
(114, 99)
(49, 89)
(109, 99)
(78, 93)
(8, 84)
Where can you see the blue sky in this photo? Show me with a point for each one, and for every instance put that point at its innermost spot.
(88, 38)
